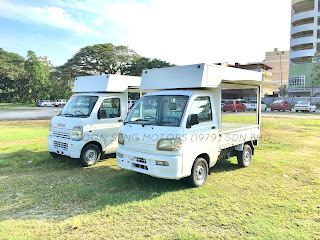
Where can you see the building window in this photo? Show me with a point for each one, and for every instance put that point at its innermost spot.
(297, 81)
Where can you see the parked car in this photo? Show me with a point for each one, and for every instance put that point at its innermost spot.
(60, 103)
(305, 106)
(45, 103)
(280, 105)
(242, 101)
(234, 106)
(252, 105)
(131, 103)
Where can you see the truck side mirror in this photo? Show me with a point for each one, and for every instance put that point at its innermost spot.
(194, 119)
(102, 114)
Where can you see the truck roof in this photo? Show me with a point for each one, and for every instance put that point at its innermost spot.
(199, 76)
(105, 83)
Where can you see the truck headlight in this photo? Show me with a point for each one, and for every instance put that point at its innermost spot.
(169, 144)
(77, 133)
(120, 139)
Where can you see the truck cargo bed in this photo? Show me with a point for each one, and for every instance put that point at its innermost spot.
(233, 134)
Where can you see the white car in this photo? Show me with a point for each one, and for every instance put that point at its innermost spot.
(60, 103)
(305, 106)
(252, 105)
(45, 103)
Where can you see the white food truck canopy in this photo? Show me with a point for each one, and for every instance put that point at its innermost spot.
(105, 83)
(199, 76)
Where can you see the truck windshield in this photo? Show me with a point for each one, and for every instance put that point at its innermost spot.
(158, 110)
(79, 106)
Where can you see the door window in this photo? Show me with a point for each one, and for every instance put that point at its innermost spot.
(112, 107)
(202, 107)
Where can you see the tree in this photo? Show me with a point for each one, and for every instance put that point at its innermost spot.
(11, 70)
(38, 76)
(316, 67)
(96, 60)
(136, 67)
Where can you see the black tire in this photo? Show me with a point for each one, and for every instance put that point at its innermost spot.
(224, 110)
(54, 155)
(199, 172)
(90, 155)
(297, 111)
(244, 157)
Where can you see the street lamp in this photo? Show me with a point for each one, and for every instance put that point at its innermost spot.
(280, 54)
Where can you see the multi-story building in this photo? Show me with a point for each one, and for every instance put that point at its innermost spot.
(279, 63)
(304, 43)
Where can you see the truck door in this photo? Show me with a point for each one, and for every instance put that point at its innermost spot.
(108, 121)
(201, 138)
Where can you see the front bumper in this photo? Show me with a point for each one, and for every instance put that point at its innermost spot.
(66, 147)
(146, 163)
(302, 108)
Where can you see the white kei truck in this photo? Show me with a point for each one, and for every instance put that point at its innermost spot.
(88, 125)
(176, 131)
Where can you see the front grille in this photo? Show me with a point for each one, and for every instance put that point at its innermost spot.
(140, 160)
(140, 166)
(57, 144)
(61, 134)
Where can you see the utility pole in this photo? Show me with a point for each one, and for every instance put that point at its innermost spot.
(280, 54)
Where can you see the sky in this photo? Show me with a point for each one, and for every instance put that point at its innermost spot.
(178, 31)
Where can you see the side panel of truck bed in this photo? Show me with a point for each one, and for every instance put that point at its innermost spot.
(233, 134)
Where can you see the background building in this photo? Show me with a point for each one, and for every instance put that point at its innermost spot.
(304, 43)
(249, 93)
(274, 60)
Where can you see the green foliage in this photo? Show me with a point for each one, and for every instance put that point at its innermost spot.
(26, 80)
(38, 76)
(140, 63)
(284, 90)
(11, 71)
(96, 60)
(316, 67)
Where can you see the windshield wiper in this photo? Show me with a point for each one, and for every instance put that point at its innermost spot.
(163, 123)
(67, 115)
(138, 120)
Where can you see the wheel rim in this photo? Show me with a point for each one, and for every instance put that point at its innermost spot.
(91, 155)
(200, 173)
(247, 156)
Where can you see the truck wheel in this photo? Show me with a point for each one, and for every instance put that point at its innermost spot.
(199, 172)
(54, 155)
(244, 157)
(90, 155)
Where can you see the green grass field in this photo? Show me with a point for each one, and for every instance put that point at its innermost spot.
(14, 106)
(277, 197)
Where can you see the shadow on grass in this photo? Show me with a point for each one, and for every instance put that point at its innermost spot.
(224, 165)
(42, 186)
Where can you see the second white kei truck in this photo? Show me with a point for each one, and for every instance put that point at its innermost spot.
(88, 125)
(177, 132)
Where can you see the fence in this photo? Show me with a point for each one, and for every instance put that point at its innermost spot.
(291, 100)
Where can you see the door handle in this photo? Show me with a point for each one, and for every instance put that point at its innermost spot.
(213, 127)
(120, 120)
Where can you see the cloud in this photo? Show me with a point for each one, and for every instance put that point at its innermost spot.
(53, 16)
(187, 31)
